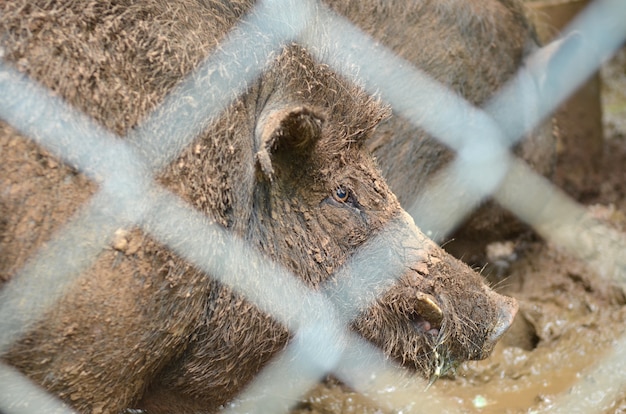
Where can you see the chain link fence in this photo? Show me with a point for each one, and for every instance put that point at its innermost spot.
(323, 343)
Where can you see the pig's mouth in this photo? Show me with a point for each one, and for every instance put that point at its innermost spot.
(431, 333)
(427, 318)
(426, 342)
(425, 314)
(422, 325)
(428, 328)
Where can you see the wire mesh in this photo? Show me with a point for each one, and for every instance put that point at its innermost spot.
(322, 341)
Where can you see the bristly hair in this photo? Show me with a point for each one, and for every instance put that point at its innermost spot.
(317, 85)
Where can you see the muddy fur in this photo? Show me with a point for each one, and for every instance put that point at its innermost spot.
(284, 168)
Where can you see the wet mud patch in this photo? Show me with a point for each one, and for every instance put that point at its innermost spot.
(569, 317)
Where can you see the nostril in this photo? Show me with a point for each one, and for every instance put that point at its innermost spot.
(507, 313)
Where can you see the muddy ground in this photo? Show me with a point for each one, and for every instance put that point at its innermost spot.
(569, 317)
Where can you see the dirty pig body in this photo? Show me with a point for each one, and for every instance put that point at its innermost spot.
(473, 47)
(283, 168)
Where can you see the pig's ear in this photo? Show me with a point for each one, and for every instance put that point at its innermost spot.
(295, 129)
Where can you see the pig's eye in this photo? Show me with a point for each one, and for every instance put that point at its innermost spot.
(342, 194)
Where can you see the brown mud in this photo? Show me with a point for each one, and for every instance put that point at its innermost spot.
(569, 317)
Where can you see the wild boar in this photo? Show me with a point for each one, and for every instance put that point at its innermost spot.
(283, 167)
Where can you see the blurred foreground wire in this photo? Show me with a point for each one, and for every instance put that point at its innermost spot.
(322, 342)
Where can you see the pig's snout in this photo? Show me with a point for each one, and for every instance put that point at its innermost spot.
(504, 320)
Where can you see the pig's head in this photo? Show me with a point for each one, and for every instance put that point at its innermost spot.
(319, 199)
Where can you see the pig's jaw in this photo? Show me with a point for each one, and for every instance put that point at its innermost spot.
(439, 313)
(443, 363)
